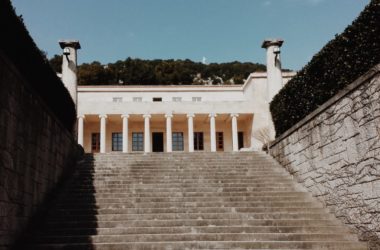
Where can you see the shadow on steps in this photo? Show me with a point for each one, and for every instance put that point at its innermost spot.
(62, 214)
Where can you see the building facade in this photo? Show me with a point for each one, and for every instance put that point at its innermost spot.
(175, 118)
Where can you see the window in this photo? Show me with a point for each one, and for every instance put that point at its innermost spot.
(197, 99)
(219, 141)
(117, 141)
(157, 99)
(177, 141)
(95, 142)
(241, 140)
(177, 99)
(198, 140)
(137, 99)
(137, 141)
(117, 99)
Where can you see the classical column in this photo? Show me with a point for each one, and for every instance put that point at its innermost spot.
(146, 133)
(212, 132)
(80, 129)
(103, 133)
(168, 132)
(190, 125)
(235, 145)
(125, 132)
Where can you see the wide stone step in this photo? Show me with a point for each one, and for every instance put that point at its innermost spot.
(285, 245)
(66, 224)
(195, 236)
(196, 216)
(179, 185)
(197, 229)
(141, 189)
(201, 184)
(173, 168)
(105, 198)
(91, 192)
(128, 203)
(118, 209)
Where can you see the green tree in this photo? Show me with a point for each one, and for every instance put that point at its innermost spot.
(56, 63)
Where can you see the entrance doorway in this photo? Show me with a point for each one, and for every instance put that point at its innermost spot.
(158, 142)
(95, 142)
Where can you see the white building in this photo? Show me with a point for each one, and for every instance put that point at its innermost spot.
(175, 118)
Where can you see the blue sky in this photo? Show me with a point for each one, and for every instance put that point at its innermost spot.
(220, 30)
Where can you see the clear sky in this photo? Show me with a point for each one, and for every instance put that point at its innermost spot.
(220, 30)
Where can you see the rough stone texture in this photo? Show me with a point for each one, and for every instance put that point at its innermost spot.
(335, 153)
(35, 151)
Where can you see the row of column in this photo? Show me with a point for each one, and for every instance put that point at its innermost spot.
(147, 146)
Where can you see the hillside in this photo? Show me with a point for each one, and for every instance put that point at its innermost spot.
(161, 72)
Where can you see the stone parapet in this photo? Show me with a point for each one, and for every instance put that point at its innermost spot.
(334, 152)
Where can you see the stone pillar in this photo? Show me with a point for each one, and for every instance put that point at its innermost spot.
(103, 133)
(274, 72)
(80, 129)
(235, 144)
(125, 132)
(69, 66)
(212, 132)
(190, 125)
(169, 132)
(147, 133)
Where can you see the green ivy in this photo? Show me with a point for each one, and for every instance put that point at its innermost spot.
(340, 62)
(18, 46)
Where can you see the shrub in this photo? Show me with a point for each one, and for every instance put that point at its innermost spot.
(18, 46)
(340, 62)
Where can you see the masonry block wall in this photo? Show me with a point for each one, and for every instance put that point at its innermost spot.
(35, 152)
(335, 153)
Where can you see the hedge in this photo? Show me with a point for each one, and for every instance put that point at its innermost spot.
(18, 46)
(340, 62)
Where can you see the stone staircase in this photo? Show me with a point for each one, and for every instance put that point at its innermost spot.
(187, 201)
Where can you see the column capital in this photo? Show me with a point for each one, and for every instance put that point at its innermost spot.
(103, 116)
(190, 115)
(125, 116)
(81, 116)
(234, 115)
(169, 115)
(212, 115)
(147, 116)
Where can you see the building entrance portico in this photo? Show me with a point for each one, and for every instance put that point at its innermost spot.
(163, 132)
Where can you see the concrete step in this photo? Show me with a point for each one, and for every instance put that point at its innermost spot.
(91, 192)
(128, 203)
(316, 245)
(104, 198)
(195, 189)
(50, 224)
(195, 236)
(198, 229)
(196, 216)
(119, 209)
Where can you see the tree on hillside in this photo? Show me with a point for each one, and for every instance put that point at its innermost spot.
(56, 63)
(153, 72)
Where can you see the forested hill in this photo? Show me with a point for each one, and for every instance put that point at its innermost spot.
(161, 72)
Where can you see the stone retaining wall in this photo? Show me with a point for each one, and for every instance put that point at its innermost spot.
(335, 153)
(35, 152)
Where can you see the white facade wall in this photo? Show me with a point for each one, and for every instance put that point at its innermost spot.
(248, 100)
